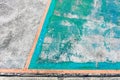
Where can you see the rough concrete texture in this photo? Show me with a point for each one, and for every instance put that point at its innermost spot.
(55, 78)
(19, 20)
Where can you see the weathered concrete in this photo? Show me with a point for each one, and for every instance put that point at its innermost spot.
(55, 78)
(19, 20)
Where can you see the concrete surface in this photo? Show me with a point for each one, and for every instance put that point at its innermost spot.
(55, 78)
(19, 20)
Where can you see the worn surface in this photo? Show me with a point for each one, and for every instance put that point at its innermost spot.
(82, 35)
(55, 78)
(19, 20)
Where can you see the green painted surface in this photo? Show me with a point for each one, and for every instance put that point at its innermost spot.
(79, 34)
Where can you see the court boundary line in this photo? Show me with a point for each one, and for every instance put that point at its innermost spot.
(37, 35)
(92, 72)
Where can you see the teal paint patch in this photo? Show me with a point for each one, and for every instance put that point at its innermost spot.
(77, 34)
